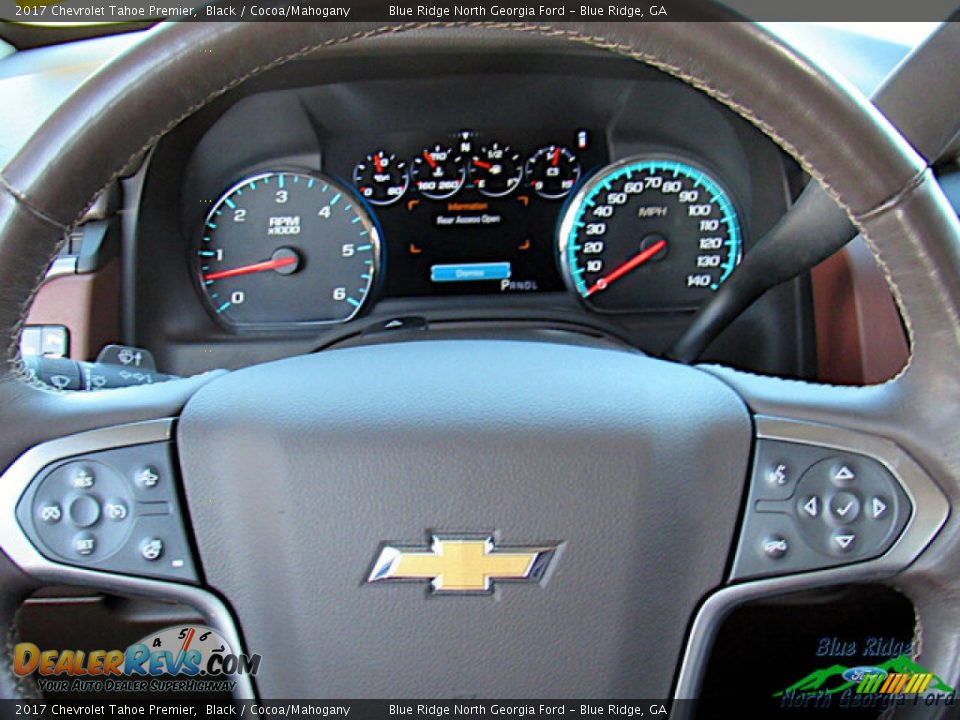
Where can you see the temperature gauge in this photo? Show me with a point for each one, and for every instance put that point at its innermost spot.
(438, 172)
(381, 178)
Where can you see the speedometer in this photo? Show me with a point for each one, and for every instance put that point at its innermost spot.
(649, 233)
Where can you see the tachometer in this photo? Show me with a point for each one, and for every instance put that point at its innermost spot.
(649, 233)
(287, 247)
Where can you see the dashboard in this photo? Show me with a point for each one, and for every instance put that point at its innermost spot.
(468, 190)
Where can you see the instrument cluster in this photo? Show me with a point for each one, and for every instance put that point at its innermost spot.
(470, 214)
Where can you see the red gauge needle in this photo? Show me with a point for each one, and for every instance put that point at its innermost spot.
(556, 157)
(634, 262)
(377, 164)
(430, 161)
(482, 164)
(255, 268)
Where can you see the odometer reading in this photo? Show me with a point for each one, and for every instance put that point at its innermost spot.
(649, 234)
(285, 247)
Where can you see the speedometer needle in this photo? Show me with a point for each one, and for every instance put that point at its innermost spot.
(254, 268)
(634, 262)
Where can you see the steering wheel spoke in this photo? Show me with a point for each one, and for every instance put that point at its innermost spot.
(102, 509)
(834, 498)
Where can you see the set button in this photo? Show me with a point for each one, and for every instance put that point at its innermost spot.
(84, 544)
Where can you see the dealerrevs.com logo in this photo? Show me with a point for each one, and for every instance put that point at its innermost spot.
(188, 658)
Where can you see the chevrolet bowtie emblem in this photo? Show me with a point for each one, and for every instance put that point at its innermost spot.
(462, 564)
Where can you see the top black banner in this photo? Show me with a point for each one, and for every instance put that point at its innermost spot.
(490, 11)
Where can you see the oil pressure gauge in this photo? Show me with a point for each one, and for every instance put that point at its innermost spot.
(381, 178)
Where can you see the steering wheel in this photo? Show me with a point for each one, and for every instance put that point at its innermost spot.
(299, 475)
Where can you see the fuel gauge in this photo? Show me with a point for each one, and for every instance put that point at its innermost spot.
(496, 170)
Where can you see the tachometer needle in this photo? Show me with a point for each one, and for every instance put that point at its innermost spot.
(254, 268)
(634, 262)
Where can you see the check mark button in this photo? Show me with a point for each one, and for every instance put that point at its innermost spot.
(845, 507)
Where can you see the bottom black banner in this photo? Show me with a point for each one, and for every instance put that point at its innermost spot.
(823, 707)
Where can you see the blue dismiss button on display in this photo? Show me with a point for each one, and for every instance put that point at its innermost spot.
(469, 272)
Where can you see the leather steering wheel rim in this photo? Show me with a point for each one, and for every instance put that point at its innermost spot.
(838, 137)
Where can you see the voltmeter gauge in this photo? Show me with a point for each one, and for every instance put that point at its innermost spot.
(552, 171)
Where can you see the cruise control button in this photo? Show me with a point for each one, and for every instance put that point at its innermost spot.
(844, 541)
(83, 478)
(116, 510)
(84, 544)
(811, 507)
(878, 508)
(845, 507)
(50, 513)
(775, 547)
(84, 511)
(147, 477)
(151, 549)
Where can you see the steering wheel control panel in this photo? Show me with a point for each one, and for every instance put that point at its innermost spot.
(811, 508)
(113, 510)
